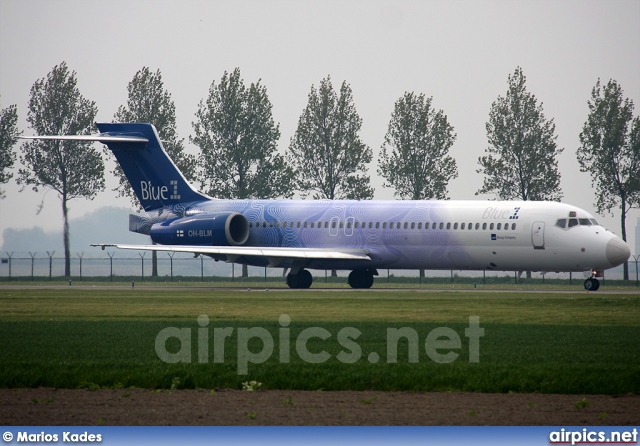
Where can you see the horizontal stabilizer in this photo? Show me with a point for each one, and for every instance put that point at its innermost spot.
(102, 137)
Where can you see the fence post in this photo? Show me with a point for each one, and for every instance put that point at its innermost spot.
(80, 257)
(9, 255)
(110, 254)
(33, 258)
(142, 261)
(171, 254)
(202, 268)
(50, 262)
(636, 258)
(233, 272)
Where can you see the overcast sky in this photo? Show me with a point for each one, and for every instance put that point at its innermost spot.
(459, 52)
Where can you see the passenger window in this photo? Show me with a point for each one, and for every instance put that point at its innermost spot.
(470, 226)
(312, 225)
(455, 226)
(441, 225)
(356, 225)
(448, 225)
(477, 226)
(491, 226)
(506, 226)
(299, 224)
(413, 225)
(341, 224)
(406, 225)
(420, 225)
(333, 224)
(391, 225)
(462, 226)
(484, 226)
(264, 224)
(499, 226)
(348, 224)
(384, 225)
(573, 222)
(513, 226)
(561, 223)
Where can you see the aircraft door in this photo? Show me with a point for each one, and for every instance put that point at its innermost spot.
(537, 235)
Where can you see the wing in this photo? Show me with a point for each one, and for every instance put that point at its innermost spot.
(274, 255)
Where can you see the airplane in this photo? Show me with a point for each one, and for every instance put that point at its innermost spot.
(359, 236)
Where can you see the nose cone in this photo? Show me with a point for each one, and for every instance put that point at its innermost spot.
(617, 251)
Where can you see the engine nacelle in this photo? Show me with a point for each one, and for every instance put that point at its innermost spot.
(223, 229)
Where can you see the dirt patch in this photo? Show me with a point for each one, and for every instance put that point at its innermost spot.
(47, 406)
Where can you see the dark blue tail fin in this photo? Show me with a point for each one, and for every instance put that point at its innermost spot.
(154, 177)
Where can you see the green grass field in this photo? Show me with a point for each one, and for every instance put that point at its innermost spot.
(533, 342)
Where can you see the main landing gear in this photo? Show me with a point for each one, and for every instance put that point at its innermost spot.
(301, 280)
(359, 278)
(591, 284)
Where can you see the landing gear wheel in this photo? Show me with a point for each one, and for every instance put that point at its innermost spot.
(591, 284)
(360, 279)
(302, 280)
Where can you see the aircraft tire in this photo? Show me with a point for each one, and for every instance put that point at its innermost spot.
(591, 284)
(302, 280)
(360, 279)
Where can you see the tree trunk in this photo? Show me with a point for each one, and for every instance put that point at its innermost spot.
(623, 223)
(245, 270)
(65, 236)
(334, 273)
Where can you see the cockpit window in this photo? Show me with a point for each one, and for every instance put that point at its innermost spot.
(562, 222)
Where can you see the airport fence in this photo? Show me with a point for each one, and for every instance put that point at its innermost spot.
(182, 267)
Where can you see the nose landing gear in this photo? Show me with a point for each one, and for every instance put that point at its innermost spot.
(591, 284)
